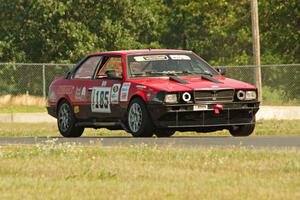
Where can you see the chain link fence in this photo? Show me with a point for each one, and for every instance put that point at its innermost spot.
(281, 83)
(29, 78)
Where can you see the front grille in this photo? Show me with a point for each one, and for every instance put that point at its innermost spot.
(214, 95)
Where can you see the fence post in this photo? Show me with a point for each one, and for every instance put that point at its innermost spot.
(44, 81)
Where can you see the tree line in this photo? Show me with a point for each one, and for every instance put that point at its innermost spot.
(218, 30)
(52, 31)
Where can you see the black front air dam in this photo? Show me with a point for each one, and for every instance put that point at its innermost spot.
(165, 116)
(52, 111)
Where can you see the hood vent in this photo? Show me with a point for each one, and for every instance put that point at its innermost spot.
(178, 80)
(207, 77)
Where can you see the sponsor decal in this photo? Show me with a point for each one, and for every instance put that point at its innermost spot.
(124, 91)
(83, 93)
(64, 89)
(77, 93)
(103, 83)
(141, 86)
(150, 58)
(80, 93)
(100, 100)
(115, 90)
(180, 57)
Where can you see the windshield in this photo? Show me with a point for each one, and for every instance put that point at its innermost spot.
(166, 64)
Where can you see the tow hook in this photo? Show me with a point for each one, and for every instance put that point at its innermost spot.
(217, 108)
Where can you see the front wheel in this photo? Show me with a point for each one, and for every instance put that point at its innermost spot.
(242, 131)
(66, 121)
(138, 119)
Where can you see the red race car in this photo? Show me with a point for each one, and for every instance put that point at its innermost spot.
(148, 92)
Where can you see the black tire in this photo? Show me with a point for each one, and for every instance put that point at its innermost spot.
(139, 122)
(242, 131)
(66, 121)
(164, 132)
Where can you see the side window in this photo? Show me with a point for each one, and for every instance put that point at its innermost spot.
(112, 68)
(86, 70)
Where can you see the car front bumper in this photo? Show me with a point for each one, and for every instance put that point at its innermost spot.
(52, 111)
(185, 117)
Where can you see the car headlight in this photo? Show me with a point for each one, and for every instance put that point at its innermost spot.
(171, 98)
(186, 97)
(250, 95)
(241, 95)
(246, 95)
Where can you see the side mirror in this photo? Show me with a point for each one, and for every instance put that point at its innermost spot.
(68, 74)
(222, 71)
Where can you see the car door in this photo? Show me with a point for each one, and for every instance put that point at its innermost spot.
(105, 89)
(80, 82)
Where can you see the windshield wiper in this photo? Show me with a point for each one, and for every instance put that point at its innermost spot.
(206, 75)
(168, 73)
(178, 72)
(172, 75)
(197, 72)
(138, 74)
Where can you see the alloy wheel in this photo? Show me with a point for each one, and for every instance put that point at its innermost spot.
(64, 117)
(135, 117)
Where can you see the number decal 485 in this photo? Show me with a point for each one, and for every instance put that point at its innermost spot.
(100, 100)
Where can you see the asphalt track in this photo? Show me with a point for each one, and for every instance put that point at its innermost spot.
(179, 141)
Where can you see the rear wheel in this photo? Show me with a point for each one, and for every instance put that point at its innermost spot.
(138, 119)
(66, 121)
(164, 133)
(243, 130)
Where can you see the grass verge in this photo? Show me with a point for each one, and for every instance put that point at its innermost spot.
(22, 109)
(68, 171)
(22, 104)
(266, 127)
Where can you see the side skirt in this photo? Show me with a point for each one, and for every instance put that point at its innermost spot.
(109, 125)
